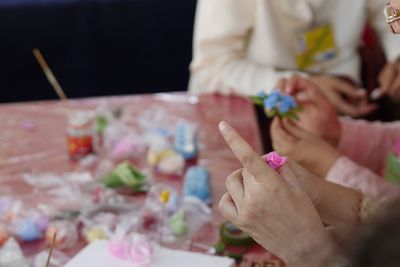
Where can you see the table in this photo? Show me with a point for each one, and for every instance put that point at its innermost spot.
(42, 147)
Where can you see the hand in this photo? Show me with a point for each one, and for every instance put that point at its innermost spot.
(389, 80)
(312, 152)
(318, 115)
(273, 208)
(347, 98)
(394, 26)
(395, 4)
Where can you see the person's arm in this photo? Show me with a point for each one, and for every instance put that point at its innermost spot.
(368, 143)
(222, 31)
(390, 42)
(347, 173)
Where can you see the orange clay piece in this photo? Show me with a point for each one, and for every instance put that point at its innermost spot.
(4, 236)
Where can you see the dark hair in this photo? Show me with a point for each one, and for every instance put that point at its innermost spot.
(380, 245)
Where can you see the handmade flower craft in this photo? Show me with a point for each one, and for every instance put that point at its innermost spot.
(277, 104)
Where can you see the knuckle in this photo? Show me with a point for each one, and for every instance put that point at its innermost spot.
(229, 180)
(248, 159)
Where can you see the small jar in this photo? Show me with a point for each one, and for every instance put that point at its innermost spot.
(80, 134)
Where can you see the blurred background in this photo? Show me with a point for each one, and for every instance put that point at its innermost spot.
(95, 47)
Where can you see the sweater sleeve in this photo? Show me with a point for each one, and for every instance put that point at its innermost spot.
(347, 173)
(368, 143)
(222, 31)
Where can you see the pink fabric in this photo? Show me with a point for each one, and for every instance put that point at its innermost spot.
(347, 173)
(365, 146)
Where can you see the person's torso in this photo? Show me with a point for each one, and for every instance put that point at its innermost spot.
(279, 23)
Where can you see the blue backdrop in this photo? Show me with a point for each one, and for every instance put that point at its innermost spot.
(95, 47)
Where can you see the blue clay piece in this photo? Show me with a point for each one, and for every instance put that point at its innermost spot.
(186, 140)
(173, 203)
(28, 230)
(197, 184)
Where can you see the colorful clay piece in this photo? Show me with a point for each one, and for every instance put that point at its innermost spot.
(172, 165)
(274, 160)
(134, 247)
(4, 235)
(178, 224)
(164, 196)
(392, 168)
(141, 250)
(278, 104)
(197, 184)
(28, 230)
(118, 247)
(125, 174)
(155, 156)
(173, 203)
(96, 233)
(186, 140)
(231, 235)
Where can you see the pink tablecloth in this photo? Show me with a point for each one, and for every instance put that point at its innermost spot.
(32, 139)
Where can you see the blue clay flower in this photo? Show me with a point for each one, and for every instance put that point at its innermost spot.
(287, 103)
(272, 100)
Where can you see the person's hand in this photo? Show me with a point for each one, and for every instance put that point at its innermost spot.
(318, 115)
(393, 23)
(395, 4)
(389, 80)
(347, 98)
(273, 208)
(312, 152)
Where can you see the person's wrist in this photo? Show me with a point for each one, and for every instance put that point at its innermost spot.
(316, 250)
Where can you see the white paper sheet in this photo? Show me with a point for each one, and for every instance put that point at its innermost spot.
(96, 254)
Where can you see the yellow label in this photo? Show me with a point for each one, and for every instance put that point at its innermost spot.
(315, 46)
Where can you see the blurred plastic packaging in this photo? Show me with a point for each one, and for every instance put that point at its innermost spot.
(11, 255)
(57, 259)
(185, 142)
(67, 234)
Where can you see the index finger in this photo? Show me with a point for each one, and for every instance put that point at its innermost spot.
(246, 155)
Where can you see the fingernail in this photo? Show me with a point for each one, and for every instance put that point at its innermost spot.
(376, 94)
(223, 127)
(302, 96)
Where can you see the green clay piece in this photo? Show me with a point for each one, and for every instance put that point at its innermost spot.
(125, 174)
(101, 124)
(178, 224)
(392, 172)
(112, 181)
(219, 248)
(230, 235)
(258, 100)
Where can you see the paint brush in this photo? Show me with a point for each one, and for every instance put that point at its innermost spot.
(49, 74)
(53, 244)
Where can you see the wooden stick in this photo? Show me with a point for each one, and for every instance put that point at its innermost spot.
(53, 244)
(49, 74)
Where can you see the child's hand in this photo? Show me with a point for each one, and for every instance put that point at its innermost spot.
(393, 23)
(389, 79)
(318, 115)
(312, 152)
(347, 98)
